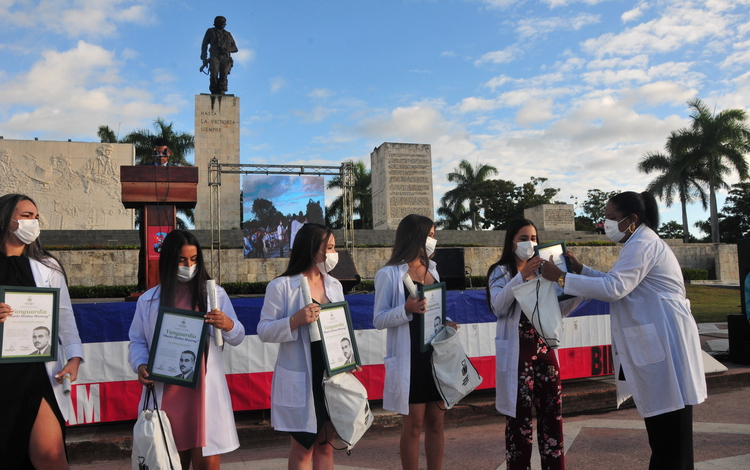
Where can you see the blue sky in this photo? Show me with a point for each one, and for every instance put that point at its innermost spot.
(574, 91)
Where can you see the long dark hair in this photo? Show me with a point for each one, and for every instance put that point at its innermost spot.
(306, 245)
(411, 236)
(508, 257)
(35, 250)
(169, 260)
(641, 204)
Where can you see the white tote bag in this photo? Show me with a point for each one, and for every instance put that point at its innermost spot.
(153, 443)
(347, 405)
(538, 300)
(455, 376)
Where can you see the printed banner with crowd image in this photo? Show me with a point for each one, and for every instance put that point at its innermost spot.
(275, 207)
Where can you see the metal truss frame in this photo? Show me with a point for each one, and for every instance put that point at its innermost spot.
(216, 169)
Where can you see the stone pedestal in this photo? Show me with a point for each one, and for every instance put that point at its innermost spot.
(217, 135)
(552, 216)
(401, 183)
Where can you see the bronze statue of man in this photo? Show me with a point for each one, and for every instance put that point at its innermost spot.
(219, 62)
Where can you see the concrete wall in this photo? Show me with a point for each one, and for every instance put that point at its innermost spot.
(118, 267)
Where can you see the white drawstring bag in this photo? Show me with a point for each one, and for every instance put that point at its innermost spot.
(153, 442)
(455, 376)
(538, 300)
(347, 405)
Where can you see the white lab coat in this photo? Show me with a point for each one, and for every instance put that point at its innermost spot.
(507, 345)
(654, 336)
(391, 314)
(221, 432)
(292, 405)
(67, 331)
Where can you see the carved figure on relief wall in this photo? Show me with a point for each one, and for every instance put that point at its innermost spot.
(10, 180)
(100, 172)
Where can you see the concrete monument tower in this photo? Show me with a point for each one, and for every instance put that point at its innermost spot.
(217, 135)
(401, 183)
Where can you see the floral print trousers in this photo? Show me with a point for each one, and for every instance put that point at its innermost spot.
(538, 385)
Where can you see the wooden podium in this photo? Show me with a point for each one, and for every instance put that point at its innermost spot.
(158, 191)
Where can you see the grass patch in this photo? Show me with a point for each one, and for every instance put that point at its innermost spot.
(713, 304)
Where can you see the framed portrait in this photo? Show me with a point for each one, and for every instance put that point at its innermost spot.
(177, 347)
(30, 334)
(556, 250)
(431, 322)
(337, 338)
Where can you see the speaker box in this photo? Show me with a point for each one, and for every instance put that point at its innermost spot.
(739, 339)
(345, 271)
(451, 267)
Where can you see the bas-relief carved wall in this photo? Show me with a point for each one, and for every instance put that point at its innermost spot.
(76, 185)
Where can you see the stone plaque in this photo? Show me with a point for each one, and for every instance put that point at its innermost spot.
(401, 183)
(552, 216)
(217, 134)
(76, 185)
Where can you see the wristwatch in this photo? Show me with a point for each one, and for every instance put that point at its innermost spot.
(561, 279)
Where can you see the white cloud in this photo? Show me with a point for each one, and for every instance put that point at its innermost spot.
(506, 55)
(421, 123)
(73, 92)
(532, 27)
(277, 83)
(473, 104)
(679, 26)
(76, 18)
(244, 56)
(320, 93)
(535, 111)
(634, 14)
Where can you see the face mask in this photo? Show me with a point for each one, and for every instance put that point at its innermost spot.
(612, 230)
(28, 230)
(429, 245)
(525, 250)
(186, 273)
(332, 259)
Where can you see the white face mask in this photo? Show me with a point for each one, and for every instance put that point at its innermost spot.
(430, 245)
(612, 230)
(186, 273)
(28, 230)
(525, 250)
(332, 259)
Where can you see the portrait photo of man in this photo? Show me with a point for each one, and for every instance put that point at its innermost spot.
(187, 365)
(346, 348)
(41, 338)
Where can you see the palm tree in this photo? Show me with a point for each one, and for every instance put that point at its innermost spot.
(452, 218)
(106, 135)
(719, 142)
(181, 143)
(361, 195)
(467, 178)
(677, 176)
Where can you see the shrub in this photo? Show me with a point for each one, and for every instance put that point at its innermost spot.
(690, 274)
(100, 291)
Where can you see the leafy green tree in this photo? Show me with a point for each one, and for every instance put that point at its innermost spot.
(497, 200)
(596, 200)
(719, 142)
(671, 230)
(452, 218)
(361, 195)
(678, 175)
(535, 193)
(734, 218)
(584, 224)
(467, 179)
(314, 212)
(264, 211)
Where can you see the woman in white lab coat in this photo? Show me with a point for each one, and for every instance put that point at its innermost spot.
(297, 401)
(32, 423)
(409, 386)
(655, 344)
(202, 419)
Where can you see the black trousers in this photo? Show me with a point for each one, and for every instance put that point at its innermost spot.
(670, 436)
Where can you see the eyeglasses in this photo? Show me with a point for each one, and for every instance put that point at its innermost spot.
(160, 154)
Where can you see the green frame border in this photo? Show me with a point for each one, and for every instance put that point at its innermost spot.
(54, 341)
(422, 289)
(355, 349)
(199, 354)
